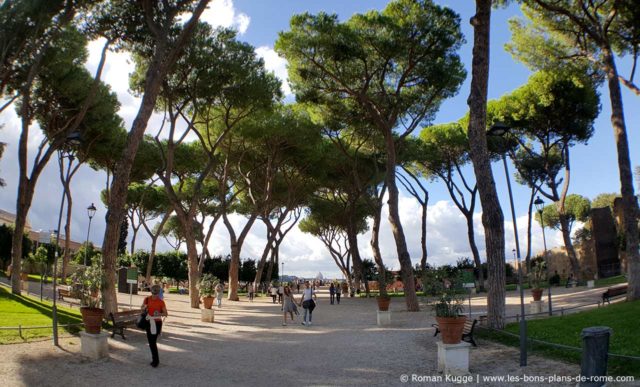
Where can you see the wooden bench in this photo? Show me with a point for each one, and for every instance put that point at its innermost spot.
(122, 320)
(613, 292)
(64, 291)
(467, 332)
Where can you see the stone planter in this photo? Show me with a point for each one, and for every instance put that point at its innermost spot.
(207, 315)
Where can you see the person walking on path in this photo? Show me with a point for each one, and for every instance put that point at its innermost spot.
(156, 309)
(274, 293)
(251, 292)
(288, 305)
(338, 293)
(219, 292)
(298, 287)
(332, 293)
(280, 292)
(308, 303)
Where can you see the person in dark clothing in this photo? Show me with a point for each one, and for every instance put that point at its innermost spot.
(338, 293)
(156, 309)
(332, 293)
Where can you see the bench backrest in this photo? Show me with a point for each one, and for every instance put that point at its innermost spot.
(468, 326)
(617, 290)
(126, 315)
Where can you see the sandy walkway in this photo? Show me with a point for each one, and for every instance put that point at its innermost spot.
(247, 345)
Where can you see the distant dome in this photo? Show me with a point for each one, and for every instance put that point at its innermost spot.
(319, 276)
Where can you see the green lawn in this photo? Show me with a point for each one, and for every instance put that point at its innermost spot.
(622, 318)
(605, 282)
(28, 311)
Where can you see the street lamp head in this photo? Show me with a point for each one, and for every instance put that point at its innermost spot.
(498, 129)
(539, 203)
(91, 211)
(73, 139)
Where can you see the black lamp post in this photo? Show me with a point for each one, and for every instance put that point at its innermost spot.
(282, 274)
(539, 203)
(91, 211)
(500, 129)
(67, 151)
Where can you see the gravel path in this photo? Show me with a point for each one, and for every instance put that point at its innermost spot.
(247, 345)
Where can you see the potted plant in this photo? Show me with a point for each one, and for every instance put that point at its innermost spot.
(89, 281)
(208, 283)
(449, 308)
(538, 276)
(374, 272)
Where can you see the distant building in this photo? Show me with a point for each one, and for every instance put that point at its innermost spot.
(37, 236)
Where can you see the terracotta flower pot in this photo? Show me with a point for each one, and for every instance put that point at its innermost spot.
(383, 303)
(537, 294)
(451, 328)
(92, 319)
(208, 302)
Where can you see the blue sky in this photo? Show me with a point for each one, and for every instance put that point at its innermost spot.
(594, 167)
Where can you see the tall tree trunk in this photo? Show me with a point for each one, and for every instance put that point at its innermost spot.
(571, 252)
(358, 267)
(66, 184)
(629, 200)
(270, 267)
(529, 222)
(492, 218)
(194, 272)
(375, 244)
(423, 234)
(474, 249)
(154, 242)
(67, 233)
(265, 253)
(236, 247)
(406, 268)
(164, 57)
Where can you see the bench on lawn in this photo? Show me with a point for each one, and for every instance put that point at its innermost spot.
(64, 291)
(122, 320)
(613, 292)
(467, 332)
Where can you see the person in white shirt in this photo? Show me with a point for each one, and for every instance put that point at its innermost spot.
(308, 303)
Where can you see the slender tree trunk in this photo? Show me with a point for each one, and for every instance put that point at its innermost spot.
(492, 218)
(270, 267)
(194, 272)
(571, 252)
(134, 236)
(474, 249)
(236, 247)
(375, 245)
(529, 225)
(67, 232)
(66, 184)
(265, 253)
(358, 267)
(163, 59)
(154, 242)
(406, 268)
(629, 200)
(423, 234)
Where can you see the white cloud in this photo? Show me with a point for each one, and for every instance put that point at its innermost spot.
(277, 64)
(222, 13)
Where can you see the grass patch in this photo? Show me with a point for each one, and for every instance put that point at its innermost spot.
(28, 311)
(620, 317)
(620, 279)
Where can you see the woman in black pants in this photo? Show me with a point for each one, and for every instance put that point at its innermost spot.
(156, 309)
